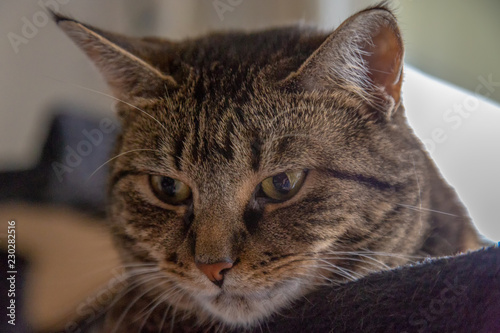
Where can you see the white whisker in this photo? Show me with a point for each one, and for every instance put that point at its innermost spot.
(121, 154)
(172, 321)
(419, 194)
(136, 283)
(112, 97)
(127, 309)
(426, 209)
(163, 318)
(161, 298)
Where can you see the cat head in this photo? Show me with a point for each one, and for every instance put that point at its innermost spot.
(255, 166)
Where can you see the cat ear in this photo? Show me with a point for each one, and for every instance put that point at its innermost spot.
(120, 59)
(363, 56)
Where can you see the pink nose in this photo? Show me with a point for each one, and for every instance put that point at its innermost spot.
(215, 272)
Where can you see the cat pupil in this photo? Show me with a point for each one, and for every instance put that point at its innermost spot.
(168, 186)
(282, 183)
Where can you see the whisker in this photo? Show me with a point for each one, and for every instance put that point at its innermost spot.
(141, 271)
(353, 253)
(115, 269)
(396, 255)
(310, 278)
(161, 298)
(345, 271)
(123, 277)
(365, 252)
(110, 96)
(426, 209)
(350, 259)
(313, 277)
(172, 321)
(137, 264)
(323, 264)
(127, 309)
(419, 194)
(164, 295)
(136, 283)
(384, 265)
(121, 154)
(164, 318)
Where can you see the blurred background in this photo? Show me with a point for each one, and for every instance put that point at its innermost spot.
(451, 90)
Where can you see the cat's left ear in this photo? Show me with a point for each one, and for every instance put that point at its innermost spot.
(123, 61)
(363, 56)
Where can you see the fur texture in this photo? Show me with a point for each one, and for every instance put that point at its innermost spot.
(223, 112)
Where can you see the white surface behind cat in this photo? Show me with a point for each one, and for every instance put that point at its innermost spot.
(461, 130)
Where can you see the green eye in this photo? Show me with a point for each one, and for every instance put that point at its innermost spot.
(170, 190)
(283, 186)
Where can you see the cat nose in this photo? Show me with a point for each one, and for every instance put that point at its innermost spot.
(215, 272)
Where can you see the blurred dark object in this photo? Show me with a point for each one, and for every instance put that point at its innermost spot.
(72, 169)
(71, 172)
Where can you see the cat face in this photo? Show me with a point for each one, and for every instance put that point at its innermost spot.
(350, 198)
(254, 167)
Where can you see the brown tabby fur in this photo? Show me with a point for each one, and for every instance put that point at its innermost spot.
(225, 111)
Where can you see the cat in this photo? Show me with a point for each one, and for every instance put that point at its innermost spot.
(253, 167)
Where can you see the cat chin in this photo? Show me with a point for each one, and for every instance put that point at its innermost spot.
(245, 311)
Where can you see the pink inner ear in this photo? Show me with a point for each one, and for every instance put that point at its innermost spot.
(385, 60)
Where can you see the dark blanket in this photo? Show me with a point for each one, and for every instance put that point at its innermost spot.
(456, 294)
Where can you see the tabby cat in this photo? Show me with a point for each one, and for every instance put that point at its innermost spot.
(254, 167)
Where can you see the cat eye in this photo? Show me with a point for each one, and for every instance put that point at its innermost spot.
(283, 186)
(170, 190)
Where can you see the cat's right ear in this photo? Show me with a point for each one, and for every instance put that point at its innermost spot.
(364, 56)
(118, 58)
